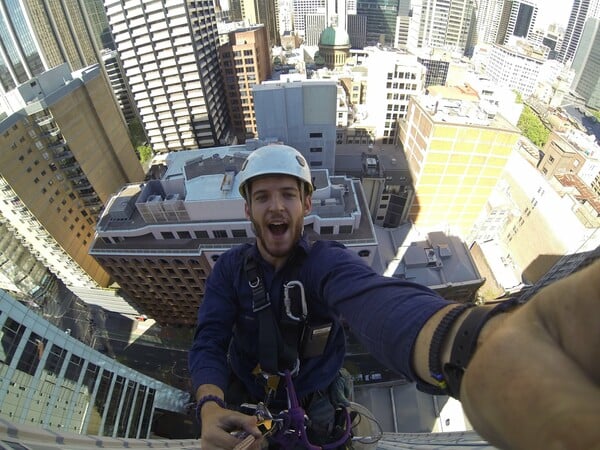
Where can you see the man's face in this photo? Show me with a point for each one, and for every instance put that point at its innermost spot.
(276, 208)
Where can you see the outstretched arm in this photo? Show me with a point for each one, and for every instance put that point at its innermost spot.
(534, 380)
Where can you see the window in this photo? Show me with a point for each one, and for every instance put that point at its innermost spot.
(316, 135)
(220, 233)
(316, 149)
(167, 235)
(327, 230)
(239, 233)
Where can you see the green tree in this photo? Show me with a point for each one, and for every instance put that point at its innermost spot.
(145, 153)
(136, 133)
(532, 127)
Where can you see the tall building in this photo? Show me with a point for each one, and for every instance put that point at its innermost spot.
(66, 151)
(446, 25)
(518, 19)
(245, 62)
(303, 7)
(160, 239)
(38, 35)
(51, 380)
(169, 54)
(393, 78)
(301, 114)
(517, 66)
(456, 152)
(488, 15)
(258, 12)
(381, 19)
(580, 11)
(586, 64)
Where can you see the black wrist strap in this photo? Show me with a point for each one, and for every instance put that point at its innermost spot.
(465, 343)
(437, 341)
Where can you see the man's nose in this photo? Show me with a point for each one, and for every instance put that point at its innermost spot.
(276, 203)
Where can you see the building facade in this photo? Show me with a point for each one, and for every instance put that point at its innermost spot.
(169, 54)
(245, 62)
(580, 12)
(586, 64)
(53, 381)
(67, 152)
(160, 239)
(518, 19)
(456, 153)
(301, 114)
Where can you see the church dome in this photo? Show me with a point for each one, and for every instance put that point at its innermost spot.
(334, 37)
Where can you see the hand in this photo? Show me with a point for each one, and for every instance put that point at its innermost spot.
(217, 423)
(534, 381)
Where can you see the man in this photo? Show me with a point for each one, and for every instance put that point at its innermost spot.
(533, 382)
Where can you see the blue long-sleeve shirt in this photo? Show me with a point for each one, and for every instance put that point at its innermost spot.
(386, 315)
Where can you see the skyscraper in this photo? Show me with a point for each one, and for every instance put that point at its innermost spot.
(586, 64)
(518, 19)
(444, 25)
(169, 54)
(66, 150)
(381, 19)
(245, 62)
(581, 10)
(456, 154)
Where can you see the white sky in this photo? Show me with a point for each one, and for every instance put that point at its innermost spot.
(553, 12)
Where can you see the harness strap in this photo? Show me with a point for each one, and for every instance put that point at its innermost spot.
(278, 351)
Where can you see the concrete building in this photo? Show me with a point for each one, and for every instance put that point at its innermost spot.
(393, 78)
(586, 64)
(381, 20)
(67, 150)
(441, 262)
(159, 240)
(385, 179)
(517, 67)
(263, 12)
(334, 47)
(580, 12)
(51, 380)
(543, 222)
(301, 114)
(444, 25)
(562, 155)
(488, 13)
(517, 19)
(456, 152)
(169, 54)
(245, 62)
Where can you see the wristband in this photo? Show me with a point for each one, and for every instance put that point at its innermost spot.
(465, 342)
(208, 398)
(437, 341)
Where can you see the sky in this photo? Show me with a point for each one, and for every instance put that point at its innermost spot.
(554, 12)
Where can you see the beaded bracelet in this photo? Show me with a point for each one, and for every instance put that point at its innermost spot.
(437, 341)
(208, 398)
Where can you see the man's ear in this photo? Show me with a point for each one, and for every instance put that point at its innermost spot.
(307, 205)
(247, 210)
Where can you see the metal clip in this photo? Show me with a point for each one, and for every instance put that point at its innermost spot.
(287, 301)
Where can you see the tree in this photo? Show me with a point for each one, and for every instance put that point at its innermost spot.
(136, 133)
(145, 153)
(532, 127)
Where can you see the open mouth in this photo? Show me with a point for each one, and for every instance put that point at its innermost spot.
(278, 228)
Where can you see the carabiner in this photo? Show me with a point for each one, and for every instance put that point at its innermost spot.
(287, 301)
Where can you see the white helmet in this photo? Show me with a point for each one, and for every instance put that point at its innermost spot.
(275, 159)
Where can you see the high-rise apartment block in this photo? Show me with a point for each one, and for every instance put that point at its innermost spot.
(51, 380)
(169, 54)
(456, 151)
(245, 62)
(160, 239)
(66, 151)
(301, 114)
